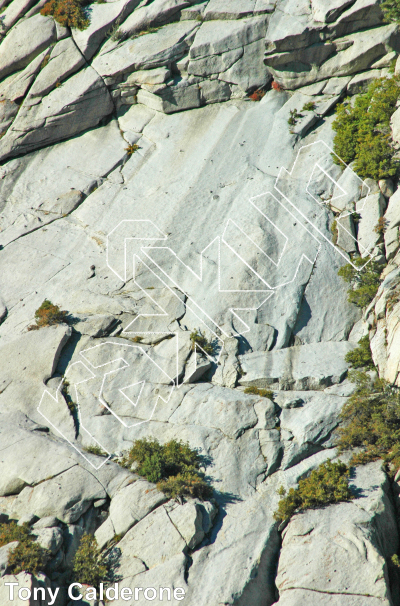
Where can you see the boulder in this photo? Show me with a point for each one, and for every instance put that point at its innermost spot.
(343, 56)
(138, 543)
(132, 503)
(23, 580)
(371, 210)
(360, 82)
(156, 13)
(67, 496)
(249, 72)
(313, 366)
(13, 12)
(49, 538)
(346, 236)
(216, 37)
(214, 64)
(26, 40)
(146, 52)
(80, 103)
(171, 99)
(192, 520)
(392, 219)
(135, 118)
(232, 412)
(64, 60)
(4, 555)
(320, 547)
(104, 20)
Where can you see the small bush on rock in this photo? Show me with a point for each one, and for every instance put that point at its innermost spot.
(294, 116)
(186, 484)
(197, 338)
(363, 130)
(173, 466)
(308, 107)
(361, 356)
(47, 315)
(264, 393)
(325, 485)
(364, 282)
(69, 13)
(27, 556)
(90, 565)
(96, 450)
(12, 532)
(131, 149)
(371, 421)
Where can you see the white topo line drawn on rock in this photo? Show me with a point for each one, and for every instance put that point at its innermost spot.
(295, 201)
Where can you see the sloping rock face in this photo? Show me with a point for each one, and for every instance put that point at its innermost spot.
(151, 186)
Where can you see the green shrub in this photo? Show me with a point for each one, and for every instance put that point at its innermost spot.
(294, 116)
(12, 532)
(90, 565)
(197, 338)
(69, 13)
(148, 30)
(361, 356)
(173, 466)
(391, 11)
(363, 130)
(264, 393)
(308, 107)
(364, 282)
(27, 555)
(188, 484)
(96, 450)
(131, 149)
(47, 315)
(381, 226)
(371, 421)
(325, 485)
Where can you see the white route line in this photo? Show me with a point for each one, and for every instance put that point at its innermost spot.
(150, 232)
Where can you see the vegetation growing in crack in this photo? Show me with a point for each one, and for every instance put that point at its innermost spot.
(308, 107)
(381, 226)
(327, 484)
(294, 116)
(173, 466)
(48, 315)
(361, 357)
(90, 564)
(96, 450)
(69, 13)
(257, 95)
(371, 421)
(364, 282)
(335, 232)
(131, 149)
(264, 393)
(363, 130)
(198, 339)
(28, 555)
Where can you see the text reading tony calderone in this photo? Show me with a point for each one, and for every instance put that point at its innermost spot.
(76, 592)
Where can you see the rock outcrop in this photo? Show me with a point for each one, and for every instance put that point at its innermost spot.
(152, 187)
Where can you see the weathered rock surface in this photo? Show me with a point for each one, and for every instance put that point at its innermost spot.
(148, 216)
(326, 543)
(313, 366)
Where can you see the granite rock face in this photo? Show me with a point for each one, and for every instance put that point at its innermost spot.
(151, 187)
